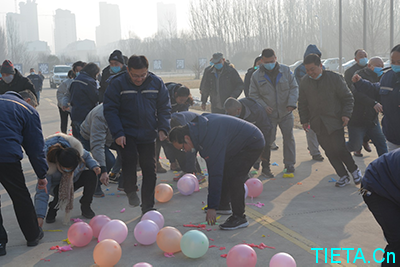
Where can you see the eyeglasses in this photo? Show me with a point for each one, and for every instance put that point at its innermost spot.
(139, 77)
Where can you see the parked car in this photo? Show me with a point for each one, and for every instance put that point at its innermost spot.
(332, 63)
(348, 64)
(387, 64)
(58, 75)
(295, 65)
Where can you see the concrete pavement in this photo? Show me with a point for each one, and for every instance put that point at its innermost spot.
(300, 213)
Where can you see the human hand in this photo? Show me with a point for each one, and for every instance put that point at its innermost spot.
(345, 120)
(355, 78)
(104, 178)
(211, 216)
(162, 136)
(269, 110)
(378, 108)
(306, 126)
(121, 141)
(42, 184)
(97, 170)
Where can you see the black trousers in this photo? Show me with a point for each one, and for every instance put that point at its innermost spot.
(13, 180)
(63, 120)
(147, 161)
(168, 150)
(335, 149)
(387, 214)
(236, 170)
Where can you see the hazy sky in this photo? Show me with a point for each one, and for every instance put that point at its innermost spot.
(138, 16)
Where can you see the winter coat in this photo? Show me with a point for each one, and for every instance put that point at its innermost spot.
(218, 138)
(18, 84)
(254, 113)
(54, 175)
(325, 101)
(278, 95)
(63, 94)
(175, 107)
(349, 73)
(300, 71)
(247, 80)
(37, 82)
(184, 117)
(105, 75)
(137, 111)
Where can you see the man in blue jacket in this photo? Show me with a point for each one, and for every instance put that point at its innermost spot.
(230, 146)
(21, 127)
(137, 109)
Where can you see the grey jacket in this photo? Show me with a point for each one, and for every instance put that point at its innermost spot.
(63, 93)
(95, 129)
(325, 101)
(279, 97)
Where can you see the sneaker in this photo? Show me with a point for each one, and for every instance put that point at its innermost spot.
(274, 147)
(87, 212)
(234, 222)
(175, 166)
(51, 215)
(266, 173)
(133, 199)
(343, 181)
(160, 169)
(318, 157)
(256, 165)
(367, 147)
(358, 154)
(289, 169)
(99, 194)
(357, 176)
(223, 211)
(3, 249)
(113, 178)
(35, 242)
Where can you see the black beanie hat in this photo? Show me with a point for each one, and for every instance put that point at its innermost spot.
(116, 55)
(7, 67)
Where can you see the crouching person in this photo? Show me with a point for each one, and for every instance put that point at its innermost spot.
(70, 168)
(230, 146)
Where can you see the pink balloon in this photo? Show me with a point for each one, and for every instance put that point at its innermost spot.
(146, 232)
(241, 255)
(197, 188)
(246, 191)
(142, 264)
(154, 216)
(115, 230)
(186, 185)
(282, 259)
(80, 234)
(255, 187)
(97, 222)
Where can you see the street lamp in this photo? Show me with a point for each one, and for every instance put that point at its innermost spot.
(320, 31)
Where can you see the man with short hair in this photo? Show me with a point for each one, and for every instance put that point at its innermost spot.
(12, 79)
(274, 87)
(21, 127)
(37, 82)
(326, 104)
(137, 109)
(220, 82)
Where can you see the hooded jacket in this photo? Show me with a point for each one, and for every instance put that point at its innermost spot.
(218, 138)
(300, 71)
(105, 76)
(54, 175)
(18, 84)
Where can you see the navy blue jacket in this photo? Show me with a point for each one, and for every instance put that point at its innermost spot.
(37, 82)
(84, 96)
(382, 176)
(219, 138)
(20, 126)
(137, 111)
(255, 114)
(300, 71)
(389, 97)
(184, 117)
(175, 107)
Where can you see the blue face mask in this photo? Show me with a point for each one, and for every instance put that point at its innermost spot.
(256, 67)
(0, 75)
(363, 62)
(115, 69)
(378, 71)
(319, 76)
(77, 74)
(211, 63)
(32, 73)
(218, 66)
(396, 68)
(269, 66)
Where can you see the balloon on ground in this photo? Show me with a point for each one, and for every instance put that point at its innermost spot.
(282, 259)
(115, 230)
(169, 239)
(97, 222)
(163, 192)
(142, 264)
(186, 185)
(107, 253)
(154, 216)
(80, 234)
(146, 232)
(241, 255)
(254, 186)
(194, 244)
(196, 181)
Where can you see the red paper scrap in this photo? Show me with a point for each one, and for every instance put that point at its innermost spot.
(212, 246)
(222, 248)
(169, 255)
(44, 260)
(211, 239)
(224, 255)
(195, 226)
(261, 246)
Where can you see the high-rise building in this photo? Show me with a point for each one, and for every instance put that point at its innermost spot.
(64, 29)
(109, 29)
(24, 26)
(166, 19)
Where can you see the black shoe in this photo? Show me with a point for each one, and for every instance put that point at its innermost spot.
(221, 211)
(234, 222)
(147, 210)
(318, 157)
(289, 169)
(3, 249)
(51, 215)
(35, 242)
(133, 199)
(266, 173)
(87, 212)
(256, 166)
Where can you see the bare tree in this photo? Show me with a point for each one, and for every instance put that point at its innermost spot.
(3, 44)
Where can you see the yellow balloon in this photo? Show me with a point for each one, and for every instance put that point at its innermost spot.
(107, 253)
(169, 239)
(163, 192)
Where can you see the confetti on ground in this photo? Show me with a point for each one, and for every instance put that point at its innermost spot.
(44, 260)
(262, 235)
(204, 206)
(163, 180)
(75, 220)
(61, 249)
(332, 180)
(111, 194)
(261, 246)
(273, 179)
(211, 239)
(275, 164)
(222, 248)
(177, 211)
(316, 170)
(123, 210)
(203, 226)
(313, 196)
(169, 255)
(288, 175)
(108, 189)
(254, 172)
(258, 204)
(52, 230)
(136, 244)
(66, 240)
(224, 255)
(212, 246)
(299, 183)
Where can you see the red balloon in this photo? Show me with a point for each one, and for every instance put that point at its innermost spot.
(255, 187)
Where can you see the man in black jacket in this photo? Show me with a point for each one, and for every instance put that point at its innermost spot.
(220, 82)
(37, 82)
(12, 79)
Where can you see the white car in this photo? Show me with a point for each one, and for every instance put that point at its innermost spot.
(295, 65)
(332, 63)
(348, 64)
(58, 75)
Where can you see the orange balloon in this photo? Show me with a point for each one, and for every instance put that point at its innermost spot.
(107, 253)
(163, 192)
(169, 239)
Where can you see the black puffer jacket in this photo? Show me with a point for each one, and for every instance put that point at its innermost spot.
(18, 84)
(105, 75)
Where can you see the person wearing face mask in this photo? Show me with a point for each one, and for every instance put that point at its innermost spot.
(117, 65)
(364, 120)
(37, 82)
(230, 146)
(220, 82)
(274, 87)
(12, 79)
(326, 105)
(248, 75)
(387, 93)
(70, 168)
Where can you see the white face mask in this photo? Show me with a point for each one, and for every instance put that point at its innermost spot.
(8, 79)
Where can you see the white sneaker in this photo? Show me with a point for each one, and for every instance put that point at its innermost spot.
(343, 181)
(357, 176)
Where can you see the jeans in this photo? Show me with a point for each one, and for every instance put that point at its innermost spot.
(387, 214)
(289, 146)
(110, 159)
(356, 138)
(13, 181)
(38, 96)
(147, 161)
(63, 120)
(335, 149)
